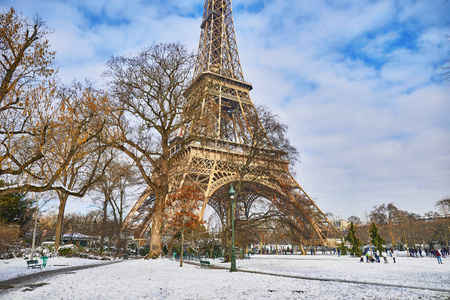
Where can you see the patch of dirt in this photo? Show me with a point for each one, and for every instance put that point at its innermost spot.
(34, 286)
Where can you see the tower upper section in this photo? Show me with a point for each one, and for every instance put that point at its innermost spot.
(217, 50)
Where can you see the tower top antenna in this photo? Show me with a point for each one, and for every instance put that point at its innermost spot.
(217, 50)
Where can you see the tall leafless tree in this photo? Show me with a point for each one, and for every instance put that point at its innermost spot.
(115, 187)
(267, 151)
(149, 89)
(46, 130)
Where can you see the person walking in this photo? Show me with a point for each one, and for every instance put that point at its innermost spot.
(393, 255)
(438, 256)
(383, 253)
(377, 255)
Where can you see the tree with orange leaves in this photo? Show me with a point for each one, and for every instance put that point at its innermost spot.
(182, 209)
(47, 131)
(26, 90)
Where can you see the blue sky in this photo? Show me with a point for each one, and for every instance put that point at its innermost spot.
(357, 82)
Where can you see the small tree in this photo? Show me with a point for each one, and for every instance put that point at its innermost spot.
(14, 208)
(343, 248)
(375, 237)
(183, 212)
(353, 239)
(165, 250)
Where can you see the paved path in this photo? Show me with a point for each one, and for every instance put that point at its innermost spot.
(31, 281)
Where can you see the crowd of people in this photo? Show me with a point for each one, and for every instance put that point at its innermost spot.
(418, 252)
(375, 255)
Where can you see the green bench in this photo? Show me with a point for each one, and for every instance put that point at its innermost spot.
(33, 264)
(205, 263)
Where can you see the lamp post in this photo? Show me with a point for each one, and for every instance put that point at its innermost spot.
(232, 193)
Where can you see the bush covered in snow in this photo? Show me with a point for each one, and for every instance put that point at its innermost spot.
(10, 245)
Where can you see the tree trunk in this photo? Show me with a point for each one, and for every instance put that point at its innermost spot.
(103, 228)
(182, 247)
(155, 240)
(392, 235)
(301, 248)
(406, 242)
(162, 192)
(261, 243)
(60, 219)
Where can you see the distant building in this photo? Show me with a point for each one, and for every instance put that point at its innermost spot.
(77, 239)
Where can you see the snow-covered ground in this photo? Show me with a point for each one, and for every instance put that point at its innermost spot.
(409, 278)
(11, 268)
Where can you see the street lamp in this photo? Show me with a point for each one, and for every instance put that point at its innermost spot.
(232, 193)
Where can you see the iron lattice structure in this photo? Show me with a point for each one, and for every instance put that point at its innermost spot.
(217, 162)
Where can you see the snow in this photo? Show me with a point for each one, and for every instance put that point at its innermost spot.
(409, 278)
(12, 268)
(75, 235)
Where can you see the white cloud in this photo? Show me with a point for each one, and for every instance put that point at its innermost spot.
(363, 99)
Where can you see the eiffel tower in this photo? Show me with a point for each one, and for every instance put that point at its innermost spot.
(213, 165)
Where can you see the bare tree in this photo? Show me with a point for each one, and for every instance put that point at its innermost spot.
(46, 131)
(75, 156)
(149, 89)
(442, 224)
(114, 186)
(25, 94)
(356, 220)
(444, 206)
(267, 153)
(25, 58)
(387, 217)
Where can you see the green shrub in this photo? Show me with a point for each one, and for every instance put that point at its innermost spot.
(165, 250)
(176, 248)
(144, 250)
(10, 243)
(67, 251)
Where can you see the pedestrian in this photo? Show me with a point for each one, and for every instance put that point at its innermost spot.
(438, 256)
(377, 255)
(383, 253)
(393, 255)
(367, 256)
(339, 252)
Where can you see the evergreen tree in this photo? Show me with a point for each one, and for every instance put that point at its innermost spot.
(376, 239)
(343, 248)
(165, 250)
(352, 238)
(14, 208)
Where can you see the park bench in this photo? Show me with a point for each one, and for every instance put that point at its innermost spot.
(33, 264)
(205, 263)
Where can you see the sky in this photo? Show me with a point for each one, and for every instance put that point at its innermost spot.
(358, 83)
